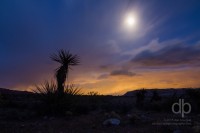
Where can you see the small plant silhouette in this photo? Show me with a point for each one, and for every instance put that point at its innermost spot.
(47, 89)
(140, 96)
(71, 89)
(53, 103)
(93, 93)
(66, 60)
(155, 96)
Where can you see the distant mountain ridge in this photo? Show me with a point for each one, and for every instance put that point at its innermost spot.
(161, 92)
(13, 92)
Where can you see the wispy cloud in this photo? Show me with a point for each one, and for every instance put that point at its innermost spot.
(122, 73)
(172, 54)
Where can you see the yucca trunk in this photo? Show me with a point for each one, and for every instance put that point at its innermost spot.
(61, 78)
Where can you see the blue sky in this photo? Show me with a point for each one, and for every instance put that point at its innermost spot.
(166, 39)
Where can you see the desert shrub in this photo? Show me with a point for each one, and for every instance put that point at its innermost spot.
(5, 101)
(93, 93)
(193, 93)
(52, 103)
(155, 96)
(140, 96)
(194, 96)
(72, 90)
(47, 91)
(168, 101)
(163, 105)
(94, 99)
(155, 103)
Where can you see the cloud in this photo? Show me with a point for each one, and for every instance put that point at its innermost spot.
(178, 54)
(113, 46)
(103, 76)
(153, 46)
(116, 73)
(122, 73)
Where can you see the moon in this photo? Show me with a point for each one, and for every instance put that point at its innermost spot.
(130, 21)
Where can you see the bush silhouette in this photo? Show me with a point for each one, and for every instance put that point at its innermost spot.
(52, 102)
(155, 96)
(140, 96)
(194, 96)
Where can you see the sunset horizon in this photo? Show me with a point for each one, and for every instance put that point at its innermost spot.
(123, 46)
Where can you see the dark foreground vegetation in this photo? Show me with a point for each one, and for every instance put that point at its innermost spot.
(75, 112)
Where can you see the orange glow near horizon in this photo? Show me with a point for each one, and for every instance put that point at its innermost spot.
(118, 85)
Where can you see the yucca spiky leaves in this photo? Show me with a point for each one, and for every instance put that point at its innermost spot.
(66, 59)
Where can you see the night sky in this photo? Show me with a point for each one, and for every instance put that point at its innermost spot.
(162, 50)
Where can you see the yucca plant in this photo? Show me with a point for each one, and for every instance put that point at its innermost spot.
(53, 103)
(56, 96)
(48, 88)
(66, 60)
(47, 91)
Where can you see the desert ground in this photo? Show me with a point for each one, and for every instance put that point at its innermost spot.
(23, 112)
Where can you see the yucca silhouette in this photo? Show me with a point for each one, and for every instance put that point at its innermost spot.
(66, 60)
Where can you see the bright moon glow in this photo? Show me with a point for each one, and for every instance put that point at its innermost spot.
(130, 21)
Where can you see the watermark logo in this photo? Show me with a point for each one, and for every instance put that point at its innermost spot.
(181, 108)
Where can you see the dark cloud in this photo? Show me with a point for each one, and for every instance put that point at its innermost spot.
(171, 55)
(117, 73)
(122, 73)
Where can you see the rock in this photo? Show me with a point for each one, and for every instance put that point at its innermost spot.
(111, 121)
